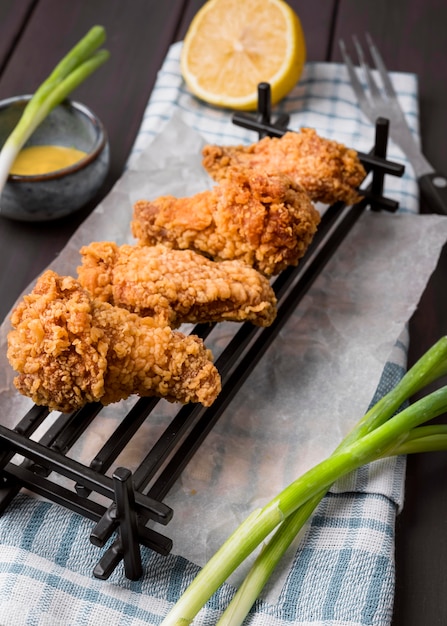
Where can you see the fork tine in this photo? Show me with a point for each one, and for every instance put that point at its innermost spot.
(355, 83)
(372, 85)
(380, 65)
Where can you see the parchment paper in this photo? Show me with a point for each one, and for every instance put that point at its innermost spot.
(312, 385)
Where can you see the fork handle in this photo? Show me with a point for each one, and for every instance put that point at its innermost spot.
(433, 187)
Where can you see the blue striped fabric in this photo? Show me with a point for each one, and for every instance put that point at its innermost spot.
(342, 571)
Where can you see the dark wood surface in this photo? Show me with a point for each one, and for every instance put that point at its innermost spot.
(34, 34)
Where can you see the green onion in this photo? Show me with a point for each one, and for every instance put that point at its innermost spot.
(387, 429)
(71, 71)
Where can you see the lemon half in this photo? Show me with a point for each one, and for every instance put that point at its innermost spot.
(233, 45)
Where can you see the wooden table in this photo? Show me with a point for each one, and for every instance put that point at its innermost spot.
(34, 34)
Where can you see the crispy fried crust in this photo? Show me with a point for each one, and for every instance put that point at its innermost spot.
(327, 170)
(70, 349)
(266, 221)
(176, 286)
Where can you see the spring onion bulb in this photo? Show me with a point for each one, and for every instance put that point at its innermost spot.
(81, 61)
(387, 429)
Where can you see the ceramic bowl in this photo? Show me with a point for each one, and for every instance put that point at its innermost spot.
(59, 193)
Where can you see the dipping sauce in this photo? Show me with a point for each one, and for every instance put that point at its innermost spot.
(44, 159)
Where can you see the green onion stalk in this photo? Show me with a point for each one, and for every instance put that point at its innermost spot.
(390, 427)
(81, 61)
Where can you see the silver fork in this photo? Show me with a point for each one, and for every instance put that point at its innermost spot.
(376, 102)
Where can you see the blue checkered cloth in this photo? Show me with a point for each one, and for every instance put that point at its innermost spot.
(342, 573)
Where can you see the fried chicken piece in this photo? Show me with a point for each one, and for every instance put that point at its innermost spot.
(70, 350)
(176, 286)
(327, 170)
(266, 221)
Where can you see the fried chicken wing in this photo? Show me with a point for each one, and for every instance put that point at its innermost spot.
(176, 286)
(266, 221)
(69, 349)
(327, 170)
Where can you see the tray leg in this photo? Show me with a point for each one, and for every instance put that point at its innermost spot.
(127, 547)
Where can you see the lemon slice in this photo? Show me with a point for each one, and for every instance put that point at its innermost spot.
(232, 45)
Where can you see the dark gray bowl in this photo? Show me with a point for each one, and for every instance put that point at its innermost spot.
(50, 196)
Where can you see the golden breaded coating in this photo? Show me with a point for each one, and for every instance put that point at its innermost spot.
(70, 350)
(327, 170)
(176, 286)
(266, 221)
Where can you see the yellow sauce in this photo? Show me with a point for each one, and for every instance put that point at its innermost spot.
(43, 159)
